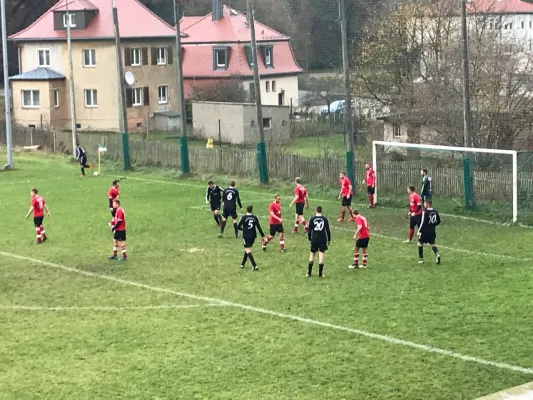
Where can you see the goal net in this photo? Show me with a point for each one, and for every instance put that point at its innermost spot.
(488, 184)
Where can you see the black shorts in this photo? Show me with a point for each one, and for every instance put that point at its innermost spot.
(215, 206)
(426, 197)
(275, 228)
(427, 238)
(113, 212)
(248, 242)
(120, 236)
(37, 221)
(362, 243)
(346, 201)
(229, 213)
(370, 189)
(319, 246)
(83, 160)
(415, 221)
(300, 208)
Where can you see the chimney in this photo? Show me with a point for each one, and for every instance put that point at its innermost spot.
(217, 9)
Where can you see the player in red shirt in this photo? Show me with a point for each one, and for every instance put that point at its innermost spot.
(361, 237)
(276, 223)
(38, 206)
(345, 193)
(415, 212)
(118, 226)
(301, 198)
(370, 182)
(113, 194)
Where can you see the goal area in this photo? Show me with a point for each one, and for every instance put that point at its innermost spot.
(489, 184)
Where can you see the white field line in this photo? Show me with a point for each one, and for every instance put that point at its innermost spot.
(107, 308)
(484, 221)
(211, 300)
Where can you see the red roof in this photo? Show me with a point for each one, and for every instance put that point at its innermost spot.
(501, 7)
(135, 20)
(231, 31)
(74, 5)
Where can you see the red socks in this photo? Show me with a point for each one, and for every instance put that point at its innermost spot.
(411, 234)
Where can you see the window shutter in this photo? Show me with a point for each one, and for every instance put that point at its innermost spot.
(249, 55)
(214, 60)
(170, 55)
(127, 56)
(129, 97)
(145, 55)
(154, 55)
(146, 96)
(272, 56)
(262, 48)
(227, 59)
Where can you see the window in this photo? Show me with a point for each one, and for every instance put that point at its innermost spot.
(530, 24)
(137, 97)
(71, 20)
(396, 132)
(162, 94)
(268, 56)
(89, 58)
(43, 57)
(136, 58)
(91, 98)
(56, 98)
(273, 86)
(268, 86)
(161, 56)
(251, 90)
(267, 122)
(522, 24)
(220, 59)
(31, 99)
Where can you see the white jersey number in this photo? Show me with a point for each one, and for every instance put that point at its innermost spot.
(229, 196)
(319, 226)
(250, 224)
(432, 219)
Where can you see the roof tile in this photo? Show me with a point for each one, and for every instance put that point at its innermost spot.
(38, 74)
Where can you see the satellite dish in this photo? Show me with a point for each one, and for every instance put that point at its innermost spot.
(129, 78)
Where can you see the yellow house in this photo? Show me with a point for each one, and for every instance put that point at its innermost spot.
(41, 93)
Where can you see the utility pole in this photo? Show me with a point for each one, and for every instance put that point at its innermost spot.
(123, 114)
(348, 117)
(261, 148)
(73, 122)
(7, 89)
(184, 148)
(467, 113)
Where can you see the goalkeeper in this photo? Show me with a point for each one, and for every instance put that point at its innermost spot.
(427, 190)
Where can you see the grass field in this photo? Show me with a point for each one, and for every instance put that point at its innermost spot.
(181, 320)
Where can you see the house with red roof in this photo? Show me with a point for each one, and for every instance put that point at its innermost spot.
(217, 46)
(41, 89)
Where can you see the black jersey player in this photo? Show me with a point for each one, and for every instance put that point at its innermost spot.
(213, 197)
(249, 225)
(426, 232)
(231, 199)
(319, 236)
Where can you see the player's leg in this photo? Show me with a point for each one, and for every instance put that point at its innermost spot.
(436, 251)
(321, 263)
(225, 216)
(343, 212)
(281, 239)
(37, 225)
(43, 233)
(420, 252)
(311, 261)
(269, 237)
(365, 257)
(412, 224)
(218, 216)
(350, 210)
(113, 211)
(296, 222)
(115, 250)
(82, 165)
(246, 252)
(249, 245)
(304, 222)
(355, 258)
(123, 247)
(235, 229)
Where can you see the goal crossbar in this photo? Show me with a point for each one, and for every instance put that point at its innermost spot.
(512, 153)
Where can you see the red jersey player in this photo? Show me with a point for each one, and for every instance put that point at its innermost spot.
(119, 229)
(345, 193)
(301, 199)
(370, 182)
(361, 237)
(276, 223)
(113, 194)
(415, 212)
(38, 206)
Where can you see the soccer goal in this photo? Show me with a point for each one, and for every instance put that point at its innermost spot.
(483, 181)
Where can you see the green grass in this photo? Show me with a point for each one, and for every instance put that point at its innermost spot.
(476, 303)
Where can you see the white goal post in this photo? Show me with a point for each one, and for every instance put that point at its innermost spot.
(430, 147)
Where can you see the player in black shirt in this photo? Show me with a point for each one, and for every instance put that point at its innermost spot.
(427, 189)
(319, 237)
(231, 199)
(426, 232)
(81, 156)
(213, 196)
(248, 225)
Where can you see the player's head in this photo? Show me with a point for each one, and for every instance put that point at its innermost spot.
(250, 209)
(367, 165)
(424, 172)
(116, 183)
(298, 181)
(116, 203)
(342, 175)
(211, 184)
(428, 203)
(34, 192)
(277, 198)
(77, 145)
(232, 184)
(318, 209)
(355, 212)
(411, 190)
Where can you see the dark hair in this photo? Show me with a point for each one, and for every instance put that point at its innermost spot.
(298, 180)
(250, 208)
(428, 202)
(232, 183)
(425, 170)
(355, 212)
(117, 201)
(318, 209)
(412, 188)
(342, 172)
(210, 182)
(276, 196)
(115, 182)
(35, 191)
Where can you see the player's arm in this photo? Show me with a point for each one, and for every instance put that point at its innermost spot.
(46, 209)
(373, 178)
(438, 219)
(273, 214)
(241, 223)
(340, 193)
(351, 191)
(293, 201)
(306, 200)
(238, 198)
(311, 224)
(328, 231)
(118, 221)
(259, 227)
(30, 211)
(356, 235)
(422, 223)
(110, 198)
(207, 196)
